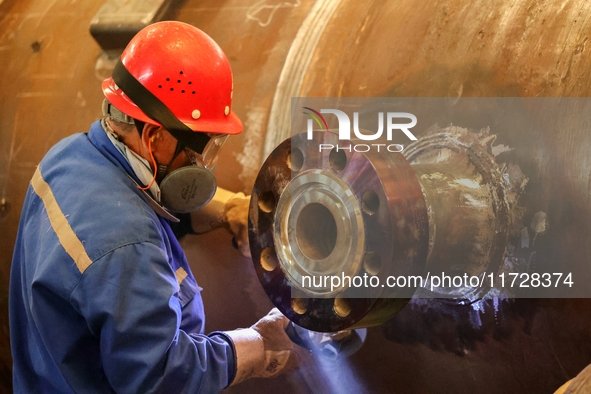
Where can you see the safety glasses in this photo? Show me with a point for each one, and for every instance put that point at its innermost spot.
(209, 158)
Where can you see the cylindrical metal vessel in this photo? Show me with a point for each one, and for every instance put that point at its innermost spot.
(347, 48)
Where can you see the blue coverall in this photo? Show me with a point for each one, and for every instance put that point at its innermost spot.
(101, 296)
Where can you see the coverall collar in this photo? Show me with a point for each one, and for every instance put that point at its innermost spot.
(98, 137)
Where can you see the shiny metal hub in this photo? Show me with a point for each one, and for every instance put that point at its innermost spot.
(319, 229)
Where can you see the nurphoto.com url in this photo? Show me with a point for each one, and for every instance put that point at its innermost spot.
(432, 282)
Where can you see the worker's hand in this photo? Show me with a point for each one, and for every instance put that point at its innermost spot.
(235, 218)
(226, 209)
(579, 384)
(264, 350)
(281, 354)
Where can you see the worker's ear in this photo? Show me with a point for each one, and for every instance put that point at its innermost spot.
(151, 134)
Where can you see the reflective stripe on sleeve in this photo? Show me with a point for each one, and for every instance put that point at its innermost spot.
(61, 227)
(180, 274)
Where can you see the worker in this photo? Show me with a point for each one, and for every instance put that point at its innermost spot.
(102, 298)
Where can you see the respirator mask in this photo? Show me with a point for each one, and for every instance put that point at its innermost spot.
(189, 188)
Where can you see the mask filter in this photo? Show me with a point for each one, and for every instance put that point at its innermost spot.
(187, 189)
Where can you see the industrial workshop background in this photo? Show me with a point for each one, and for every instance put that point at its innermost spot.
(50, 73)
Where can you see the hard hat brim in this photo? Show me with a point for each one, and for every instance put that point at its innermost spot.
(231, 124)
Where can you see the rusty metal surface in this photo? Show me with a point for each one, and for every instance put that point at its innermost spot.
(404, 48)
(454, 48)
(117, 21)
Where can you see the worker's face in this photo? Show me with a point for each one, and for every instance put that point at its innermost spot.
(165, 149)
(169, 156)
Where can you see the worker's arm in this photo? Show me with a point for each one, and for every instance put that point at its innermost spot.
(264, 350)
(226, 209)
(131, 301)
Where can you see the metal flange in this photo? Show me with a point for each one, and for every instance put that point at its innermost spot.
(319, 213)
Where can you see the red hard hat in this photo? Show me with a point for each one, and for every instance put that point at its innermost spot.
(182, 68)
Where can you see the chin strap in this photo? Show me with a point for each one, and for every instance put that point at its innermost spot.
(163, 168)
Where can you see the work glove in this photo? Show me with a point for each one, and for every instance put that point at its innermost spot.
(229, 210)
(236, 221)
(264, 350)
(580, 384)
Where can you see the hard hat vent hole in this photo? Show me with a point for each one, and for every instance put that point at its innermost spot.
(179, 82)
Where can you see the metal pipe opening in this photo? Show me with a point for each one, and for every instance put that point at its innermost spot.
(316, 231)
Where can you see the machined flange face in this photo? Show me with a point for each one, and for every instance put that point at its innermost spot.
(319, 225)
(325, 212)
